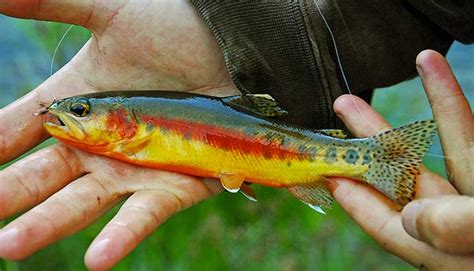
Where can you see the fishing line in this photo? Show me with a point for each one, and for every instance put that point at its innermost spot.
(57, 47)
(339, 62)
(346, 82)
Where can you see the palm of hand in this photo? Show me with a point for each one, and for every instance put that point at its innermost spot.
(154, 46)
(133, 47)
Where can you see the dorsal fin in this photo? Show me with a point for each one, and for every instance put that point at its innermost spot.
(261, 104)
(333, 133)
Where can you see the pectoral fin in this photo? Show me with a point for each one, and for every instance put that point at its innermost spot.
(231, 182)
(313, 194)
(131, 147)
(262, 104)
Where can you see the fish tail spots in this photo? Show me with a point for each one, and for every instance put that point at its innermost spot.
(396, 159)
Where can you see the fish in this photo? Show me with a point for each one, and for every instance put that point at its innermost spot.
(238, 140)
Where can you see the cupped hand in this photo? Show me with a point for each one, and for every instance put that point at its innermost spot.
(435, 230)
(136, 44)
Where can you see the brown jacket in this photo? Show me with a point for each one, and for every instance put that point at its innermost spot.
(284, 47)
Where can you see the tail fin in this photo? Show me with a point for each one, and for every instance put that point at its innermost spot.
(397, 157)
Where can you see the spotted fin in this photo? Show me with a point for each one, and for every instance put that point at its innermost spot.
(333, 133)
(397, 158)
(314, 194)
(261, 104)
(231, 182)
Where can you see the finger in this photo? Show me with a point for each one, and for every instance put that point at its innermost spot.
(140, 215)
(353, 197)
(88, 13)
(71, 209)
(34, 178)
(375, 214)
(20, 129)
(454, 117)
(444, 222)
(359, 117)
(430, 185)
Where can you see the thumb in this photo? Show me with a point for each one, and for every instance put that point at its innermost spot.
(88, 13)
(444, 222)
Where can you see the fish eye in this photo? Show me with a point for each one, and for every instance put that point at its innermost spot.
(80, 108)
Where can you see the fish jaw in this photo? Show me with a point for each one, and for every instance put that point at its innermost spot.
(60, 125)
(71, 133)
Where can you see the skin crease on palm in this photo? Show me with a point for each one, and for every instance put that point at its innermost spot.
(166, 45)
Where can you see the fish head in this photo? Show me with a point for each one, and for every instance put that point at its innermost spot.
(83, 122)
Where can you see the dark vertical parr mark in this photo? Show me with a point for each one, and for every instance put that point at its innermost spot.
(331, 155)
(351, 156)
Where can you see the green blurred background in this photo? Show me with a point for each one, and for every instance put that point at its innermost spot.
(226, 232)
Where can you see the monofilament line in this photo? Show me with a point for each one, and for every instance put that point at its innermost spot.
(339, 63)
(57, 47)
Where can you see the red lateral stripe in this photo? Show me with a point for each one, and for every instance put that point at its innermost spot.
(226, 139)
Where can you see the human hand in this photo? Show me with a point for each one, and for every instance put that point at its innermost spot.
(436, 226)
(135, 45)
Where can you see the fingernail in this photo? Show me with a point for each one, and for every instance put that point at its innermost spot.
(419, 69)
(332, 185)
(409, 215)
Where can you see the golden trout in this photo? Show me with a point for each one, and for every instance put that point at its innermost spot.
(234, 140)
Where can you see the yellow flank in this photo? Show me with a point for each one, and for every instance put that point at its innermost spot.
(163, 148)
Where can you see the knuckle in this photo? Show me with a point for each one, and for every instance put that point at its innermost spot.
(135, 235)
(448, 104)
(68, 158)
(437, 227)
(429, 224)
(151, 216)
(19, 178)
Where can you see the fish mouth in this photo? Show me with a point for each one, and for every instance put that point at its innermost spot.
(63, 126)
(55, 120)
(52, 119)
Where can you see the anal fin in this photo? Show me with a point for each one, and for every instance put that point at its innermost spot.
(315, 194)
(134, 146)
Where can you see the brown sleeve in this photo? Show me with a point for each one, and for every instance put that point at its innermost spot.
(455, 17)
(284, 48)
